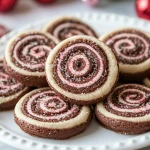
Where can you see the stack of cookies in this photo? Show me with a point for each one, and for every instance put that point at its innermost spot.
(57, 78)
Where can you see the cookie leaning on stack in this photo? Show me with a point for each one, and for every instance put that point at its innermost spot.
(82, 70)
(126, 110)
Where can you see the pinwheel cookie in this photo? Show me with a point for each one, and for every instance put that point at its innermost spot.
(82, 70)
(25, 57)
(10, 90)
(132, 48)
(42, 113)
(126, 110)
(65, 27)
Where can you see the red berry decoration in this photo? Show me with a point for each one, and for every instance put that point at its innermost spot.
(143, 8)
(45, 1)
(7, 5)
(3, 30)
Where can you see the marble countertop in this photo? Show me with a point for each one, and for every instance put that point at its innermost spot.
(29, 11)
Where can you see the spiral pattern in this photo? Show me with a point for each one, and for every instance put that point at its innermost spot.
(130, 46)
(130, 100)
(68, 27)
(46, 106)
(30, 51)
(80, 67)
(8, 85)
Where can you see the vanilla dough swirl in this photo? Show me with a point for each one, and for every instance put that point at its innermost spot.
(46, 106)
(65, 27)
(130, 46)
(130, 100)
(8, 85)
(81, 67)
(31, 50)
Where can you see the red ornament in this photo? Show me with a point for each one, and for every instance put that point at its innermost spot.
(45, 1)
(143, 8)
(7, 5)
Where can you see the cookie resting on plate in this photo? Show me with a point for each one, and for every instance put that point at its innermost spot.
(65, 27)
(126, 110)
(43, 113)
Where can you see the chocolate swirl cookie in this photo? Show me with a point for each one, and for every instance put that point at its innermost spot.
(43, 113)
(146, 82)
(25, 57)
(132, 48)
(82, 70)
(10, 90)
(65, 27)
(126, 110)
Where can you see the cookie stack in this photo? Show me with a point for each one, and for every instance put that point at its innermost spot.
(58, 76)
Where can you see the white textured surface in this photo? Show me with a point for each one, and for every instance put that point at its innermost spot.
(30, 12)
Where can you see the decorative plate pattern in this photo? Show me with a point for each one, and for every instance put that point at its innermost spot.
(107, 22)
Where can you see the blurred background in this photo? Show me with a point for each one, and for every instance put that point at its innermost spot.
(17, 13)
(22, 12)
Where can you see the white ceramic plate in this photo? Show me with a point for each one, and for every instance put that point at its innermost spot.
(95, 137)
